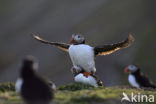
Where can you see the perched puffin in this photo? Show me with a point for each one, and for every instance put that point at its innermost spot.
(92, 79)
(32, 88)
(137, 79)
(83, 55)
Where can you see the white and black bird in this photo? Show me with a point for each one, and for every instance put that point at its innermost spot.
(83, 55)
(90, 80)
(33, 88)
(137, 79)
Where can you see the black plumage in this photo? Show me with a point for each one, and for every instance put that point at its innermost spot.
(142, 80)
(98, 50)
(110, 48)
(62, 46)
(34, 89)
(137, 78)
(79, 51)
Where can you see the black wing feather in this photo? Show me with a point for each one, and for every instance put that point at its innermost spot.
(144, 81)
(62, 46)
(108, 49)
(38, 91)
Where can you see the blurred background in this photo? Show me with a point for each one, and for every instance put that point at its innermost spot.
(101, 22)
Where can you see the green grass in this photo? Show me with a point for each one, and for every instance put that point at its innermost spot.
(77, 93)
(7, 87)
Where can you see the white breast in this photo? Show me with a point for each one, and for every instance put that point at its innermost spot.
(18, 85)
(82, 79)
(83, 56)
(133, 81)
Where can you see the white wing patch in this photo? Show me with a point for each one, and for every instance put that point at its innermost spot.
(82, 79)
(133, 81)
(18, 85)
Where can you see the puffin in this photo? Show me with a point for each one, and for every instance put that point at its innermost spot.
(92, 79)
(31, 87)
(83, 55)
(137, 79)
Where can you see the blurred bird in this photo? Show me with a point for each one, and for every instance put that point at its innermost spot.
(83, 55)
(138, 79)
(92, 79)
(52, 85)
(32, 88)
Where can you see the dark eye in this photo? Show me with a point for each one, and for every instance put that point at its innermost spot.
(78, 36)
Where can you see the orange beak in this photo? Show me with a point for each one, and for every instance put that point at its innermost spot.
(73, 78)
(126, 70)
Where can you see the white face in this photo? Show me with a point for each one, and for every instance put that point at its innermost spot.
(78, 38)
(35, 66)
(132, 68)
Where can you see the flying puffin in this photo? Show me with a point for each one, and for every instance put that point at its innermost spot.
(32, 88)
(83, 55)
(137, 79)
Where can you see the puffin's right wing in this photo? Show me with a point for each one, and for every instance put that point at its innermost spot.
(62, 46)
(108, 49)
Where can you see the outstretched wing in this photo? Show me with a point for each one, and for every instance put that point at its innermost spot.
(108, 49)
(62, 46)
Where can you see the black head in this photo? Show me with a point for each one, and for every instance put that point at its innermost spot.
(77, 39)
(131, 69)
(29, 66)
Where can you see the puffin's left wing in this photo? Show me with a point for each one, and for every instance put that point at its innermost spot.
(62, 46)
(108, 49)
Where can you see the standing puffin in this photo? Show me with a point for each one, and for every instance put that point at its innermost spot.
(32, 88)
(83, 55)
(137, 79)
(80, 78)
(91, 79)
